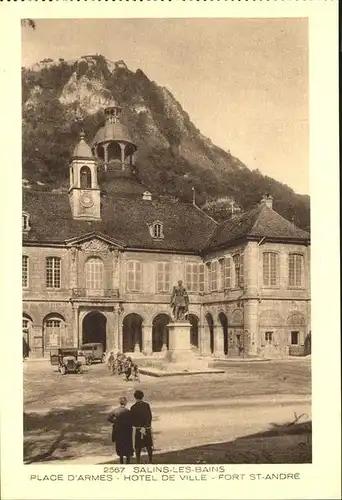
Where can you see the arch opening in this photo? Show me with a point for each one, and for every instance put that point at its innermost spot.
(160, 334)
(53, 326)
(224, 324)
(132, 333)
(194, 340)
(100, 152)
(85, 178)
(210, 326)
(94, 328)
(114, 151)
(26, 328)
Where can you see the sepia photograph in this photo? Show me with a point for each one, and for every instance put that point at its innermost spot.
(166, 285)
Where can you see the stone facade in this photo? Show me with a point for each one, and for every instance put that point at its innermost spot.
(226, 322)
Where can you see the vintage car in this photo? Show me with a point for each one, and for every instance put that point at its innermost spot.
(67, 360)
(93, 352)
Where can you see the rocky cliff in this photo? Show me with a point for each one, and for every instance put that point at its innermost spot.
(59, 97)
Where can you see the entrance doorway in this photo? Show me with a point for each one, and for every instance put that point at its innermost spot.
(160, 334)
(27, 324)
(94, 328)
(193, 330)
(132, 333)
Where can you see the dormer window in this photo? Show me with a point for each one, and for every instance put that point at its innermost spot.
(25, 222)
(156, 230)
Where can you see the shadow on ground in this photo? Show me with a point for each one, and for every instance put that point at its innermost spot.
(279, 445)
(66, 434)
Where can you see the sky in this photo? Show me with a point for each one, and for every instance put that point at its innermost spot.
(243, 82)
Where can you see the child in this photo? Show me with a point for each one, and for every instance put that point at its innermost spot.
(136, 375)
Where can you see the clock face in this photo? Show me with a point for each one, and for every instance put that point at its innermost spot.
(86, 200)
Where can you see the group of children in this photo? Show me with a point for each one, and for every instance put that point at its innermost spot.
(121, 364)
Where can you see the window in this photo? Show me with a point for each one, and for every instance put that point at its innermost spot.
(52, 332)
(25, 222)
(213, 271)
(194, 274)
(94, 274)
(134, 276)
(239, 271)
(85, 175)
(268, 337)
(163, 277)
(220, 273)
(294, 338)
(25, 271)
(270, 269)
(53, 272)
(295, 270)
(156, 230)
(227, 273)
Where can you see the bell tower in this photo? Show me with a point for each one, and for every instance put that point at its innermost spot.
(113, 143)
(84, 191)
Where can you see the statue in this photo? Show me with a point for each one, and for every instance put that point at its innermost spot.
(179, 301)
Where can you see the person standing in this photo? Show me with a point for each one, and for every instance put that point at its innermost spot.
(128, 368)
(141, 420)
(122, 431)
(110, 362)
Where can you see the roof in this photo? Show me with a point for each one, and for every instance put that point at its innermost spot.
(82, 149)
(260, 222)
(112, 132)
(123, 218)
(118, 181)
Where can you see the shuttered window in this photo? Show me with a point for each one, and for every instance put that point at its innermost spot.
(270, 269)
(163, 277)
(94, 274)
(194, 277)
(227, 273)
(239, 270)
(296, 269)
(134, 276)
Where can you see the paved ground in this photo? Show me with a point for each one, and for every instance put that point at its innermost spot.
(216, 418)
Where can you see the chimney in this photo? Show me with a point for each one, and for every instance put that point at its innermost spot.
(267, 200)
(147, 196)
(193, 195)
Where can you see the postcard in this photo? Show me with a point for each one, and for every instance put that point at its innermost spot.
(175, 274)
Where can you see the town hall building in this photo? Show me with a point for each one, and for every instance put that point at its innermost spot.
(99, 263)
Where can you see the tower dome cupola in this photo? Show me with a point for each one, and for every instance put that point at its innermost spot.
(82, 150)
(112, 114)
(113, 143)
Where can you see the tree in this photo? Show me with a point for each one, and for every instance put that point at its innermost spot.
(28, 23)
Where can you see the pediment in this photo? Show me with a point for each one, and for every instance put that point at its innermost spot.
(95, 243)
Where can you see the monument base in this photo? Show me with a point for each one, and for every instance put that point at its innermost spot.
(179, 341)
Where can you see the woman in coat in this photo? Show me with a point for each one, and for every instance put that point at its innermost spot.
(122, 431)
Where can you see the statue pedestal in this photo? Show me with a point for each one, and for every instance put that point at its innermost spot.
(179, 341)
